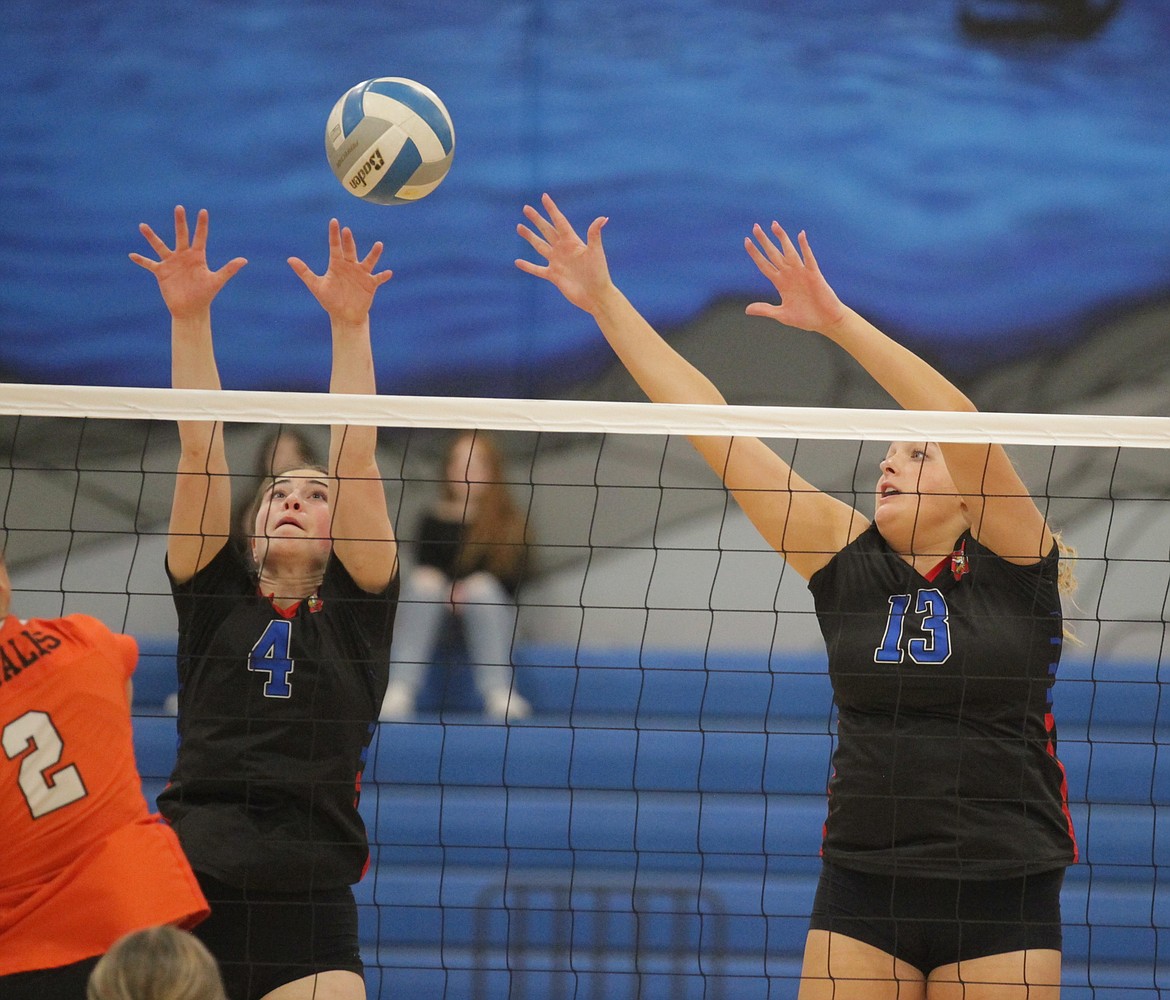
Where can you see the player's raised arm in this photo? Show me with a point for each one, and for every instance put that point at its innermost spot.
(201, 506)
(804, 524)
(363, 537)
(1002, 513)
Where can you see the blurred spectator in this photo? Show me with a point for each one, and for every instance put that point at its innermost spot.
(471, 553)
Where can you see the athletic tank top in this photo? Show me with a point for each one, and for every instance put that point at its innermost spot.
(276, 714)
(945, 760)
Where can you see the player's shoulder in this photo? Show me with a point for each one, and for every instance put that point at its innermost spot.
(863, 549)
(83, 630)
(80, 624)
(865, 563)
(986, 557)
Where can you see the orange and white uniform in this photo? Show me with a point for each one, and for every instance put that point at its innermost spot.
(82, 858)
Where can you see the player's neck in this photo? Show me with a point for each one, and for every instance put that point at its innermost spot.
(924, 541)
(287, 587)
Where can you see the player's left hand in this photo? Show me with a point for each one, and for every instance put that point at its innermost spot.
(577, 267)
(346, 289)
(806, 299)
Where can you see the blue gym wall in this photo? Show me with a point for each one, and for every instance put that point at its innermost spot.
(982, 201)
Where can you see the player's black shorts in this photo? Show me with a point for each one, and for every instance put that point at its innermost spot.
(66, 982)
(931, 922)
(263, 940)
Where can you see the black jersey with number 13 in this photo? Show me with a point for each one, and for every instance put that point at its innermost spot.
(945, 764)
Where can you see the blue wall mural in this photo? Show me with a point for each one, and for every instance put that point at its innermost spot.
(980, 199)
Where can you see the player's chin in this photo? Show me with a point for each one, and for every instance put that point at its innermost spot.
(892, 511)
(298, 548)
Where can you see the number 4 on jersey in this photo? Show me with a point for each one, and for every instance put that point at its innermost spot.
(270, 656)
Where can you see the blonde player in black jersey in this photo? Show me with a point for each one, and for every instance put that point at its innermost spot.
(283, 658)
(948, 831)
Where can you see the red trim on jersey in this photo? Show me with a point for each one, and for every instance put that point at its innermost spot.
(958, 564)
(358, 794)
(289, 612)
(825, 824)
(1049, 726)
(937, 569)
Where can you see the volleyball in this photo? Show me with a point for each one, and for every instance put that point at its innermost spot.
(389, 140)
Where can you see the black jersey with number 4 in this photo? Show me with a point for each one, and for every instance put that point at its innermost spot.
(945, 761)
(276, 714)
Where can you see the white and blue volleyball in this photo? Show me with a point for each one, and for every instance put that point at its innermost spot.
(390, 141)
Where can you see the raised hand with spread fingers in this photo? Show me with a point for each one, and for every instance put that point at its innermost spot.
(346, 289)
(806, 299)
(577, 267)
(187, 283)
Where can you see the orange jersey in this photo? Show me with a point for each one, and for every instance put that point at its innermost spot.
(84, 860)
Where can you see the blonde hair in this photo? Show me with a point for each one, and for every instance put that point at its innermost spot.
(158, 963)
(1066, 581)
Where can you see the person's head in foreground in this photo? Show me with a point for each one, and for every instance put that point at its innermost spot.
(158, 963)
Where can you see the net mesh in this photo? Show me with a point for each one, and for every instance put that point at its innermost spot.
(652, 829)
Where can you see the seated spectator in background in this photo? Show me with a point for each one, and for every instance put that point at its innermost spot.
(85, 860)
(471, 551)
(158, 963)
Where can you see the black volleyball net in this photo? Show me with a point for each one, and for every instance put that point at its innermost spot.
(649, 826)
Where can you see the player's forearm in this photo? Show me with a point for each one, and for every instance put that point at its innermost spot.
(193, 367)
(661, 372)
(352, 447)
(192, 354)
(353, 358)
(910, 380)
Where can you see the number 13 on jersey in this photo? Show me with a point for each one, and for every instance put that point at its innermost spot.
(934, 646)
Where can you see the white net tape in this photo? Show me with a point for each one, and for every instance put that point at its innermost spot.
(566, 416)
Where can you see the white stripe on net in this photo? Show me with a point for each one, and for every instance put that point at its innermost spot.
(579, 416)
